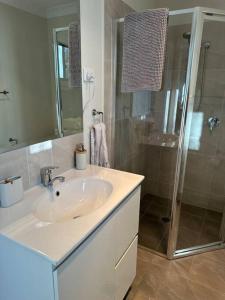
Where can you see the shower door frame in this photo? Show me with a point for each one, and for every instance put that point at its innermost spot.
(200, 14)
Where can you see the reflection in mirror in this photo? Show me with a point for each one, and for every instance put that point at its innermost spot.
(68, 81)
(40, 71)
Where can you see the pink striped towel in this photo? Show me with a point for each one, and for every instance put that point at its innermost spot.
(144, 50)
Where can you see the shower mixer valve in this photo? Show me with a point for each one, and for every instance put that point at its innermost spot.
(213, 122)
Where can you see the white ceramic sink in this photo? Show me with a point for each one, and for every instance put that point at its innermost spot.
(72, 199)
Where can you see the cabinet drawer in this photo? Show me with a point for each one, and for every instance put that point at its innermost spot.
(126, 223)
(125, 271)
(88, 273)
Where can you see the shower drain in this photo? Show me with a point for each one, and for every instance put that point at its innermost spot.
(165, 219)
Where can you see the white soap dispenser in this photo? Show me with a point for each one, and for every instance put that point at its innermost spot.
(80, 157)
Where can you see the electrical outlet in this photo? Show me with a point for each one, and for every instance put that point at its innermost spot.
(88, 75)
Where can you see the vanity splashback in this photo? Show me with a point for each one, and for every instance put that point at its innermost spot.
(28, 161)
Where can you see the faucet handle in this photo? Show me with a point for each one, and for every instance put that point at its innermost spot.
(48, 170)
(46, 174)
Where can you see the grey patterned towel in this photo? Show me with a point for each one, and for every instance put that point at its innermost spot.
(74, 56)
(144, 50)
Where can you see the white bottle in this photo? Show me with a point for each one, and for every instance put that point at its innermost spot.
(81, 157)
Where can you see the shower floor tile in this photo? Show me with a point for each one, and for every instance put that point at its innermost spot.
(153, 232)
(198, 226)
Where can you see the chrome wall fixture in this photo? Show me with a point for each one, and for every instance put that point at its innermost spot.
(213, 122)
(98, 113)
(4, 92)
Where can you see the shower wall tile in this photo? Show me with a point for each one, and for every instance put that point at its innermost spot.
(167, 165)
(27, 163)
(198, 182)
(195, 198)
(152, 156)
(211, 103)
(214, 83)
(150, 186)
(211, 154)
(216, 203)
(165, 190)
(159, 170)
(216, 60)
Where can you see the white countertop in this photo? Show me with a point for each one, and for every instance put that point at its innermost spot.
(55, 241)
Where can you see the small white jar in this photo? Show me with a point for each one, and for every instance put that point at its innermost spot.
(81, 160)
(11, 191)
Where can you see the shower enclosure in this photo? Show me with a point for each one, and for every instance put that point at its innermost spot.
(176, 137)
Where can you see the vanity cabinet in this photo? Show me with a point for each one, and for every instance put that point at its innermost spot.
(103, 267)
(87, 273)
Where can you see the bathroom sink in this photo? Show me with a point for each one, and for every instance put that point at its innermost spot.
(72, 199)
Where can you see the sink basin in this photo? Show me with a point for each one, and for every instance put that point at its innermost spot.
(72, 199)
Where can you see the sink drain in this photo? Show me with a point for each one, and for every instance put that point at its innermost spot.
(76, 217)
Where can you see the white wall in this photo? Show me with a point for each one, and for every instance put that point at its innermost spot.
(174, 4)
(92, 50)
(24, 56)
(140, 4)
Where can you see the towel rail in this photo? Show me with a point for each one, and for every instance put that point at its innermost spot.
(98, 113)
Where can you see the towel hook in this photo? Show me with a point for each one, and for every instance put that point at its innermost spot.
(4, 92)
(98, 113)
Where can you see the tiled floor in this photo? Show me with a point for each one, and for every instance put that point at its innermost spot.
(197, 225)
(199, 277)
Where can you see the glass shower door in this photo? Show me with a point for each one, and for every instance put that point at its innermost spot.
(147, 128)
(201, 195)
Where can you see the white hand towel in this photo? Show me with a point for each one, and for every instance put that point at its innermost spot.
(99, 150)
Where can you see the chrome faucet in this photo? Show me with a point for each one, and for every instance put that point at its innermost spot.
(46, 176)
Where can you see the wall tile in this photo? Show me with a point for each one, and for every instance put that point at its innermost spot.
(63, 152)
(36, 161)
(27, 163)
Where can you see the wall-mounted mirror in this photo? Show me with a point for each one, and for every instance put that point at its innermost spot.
(40, 71)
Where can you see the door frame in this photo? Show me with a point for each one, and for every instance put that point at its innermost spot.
(200, 14)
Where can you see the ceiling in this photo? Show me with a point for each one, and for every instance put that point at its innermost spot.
(44, 7)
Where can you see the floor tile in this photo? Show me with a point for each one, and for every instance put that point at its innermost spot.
(200, 277)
